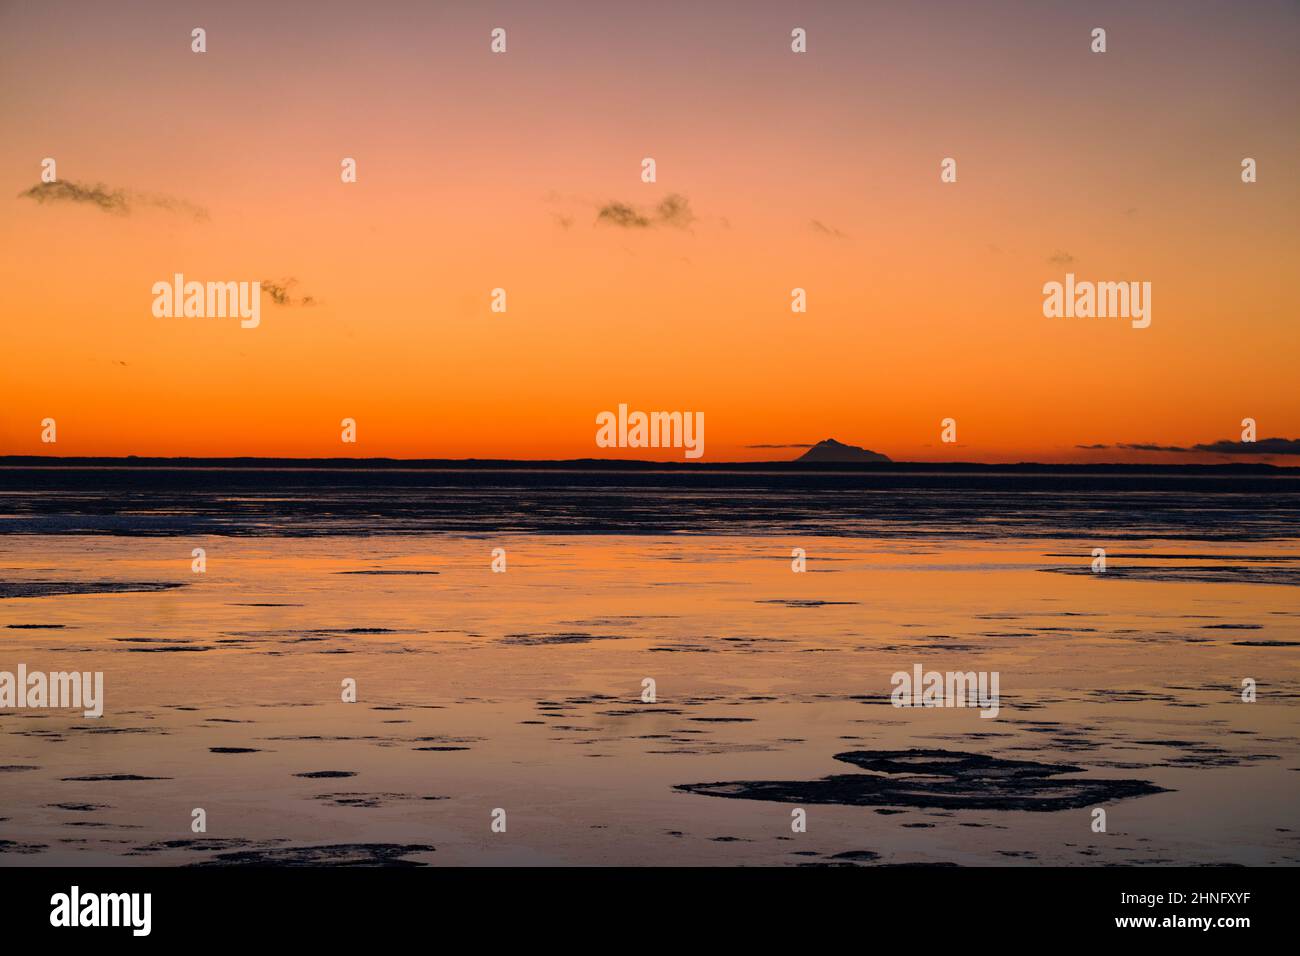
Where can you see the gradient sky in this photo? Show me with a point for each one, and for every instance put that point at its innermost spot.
(479, 170)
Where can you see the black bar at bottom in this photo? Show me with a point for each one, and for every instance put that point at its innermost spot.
(646, 907)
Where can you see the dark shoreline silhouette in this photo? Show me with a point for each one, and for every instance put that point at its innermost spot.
(309, 497)
(611, 464)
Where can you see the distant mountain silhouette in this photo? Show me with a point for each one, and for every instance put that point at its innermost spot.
(831, 450)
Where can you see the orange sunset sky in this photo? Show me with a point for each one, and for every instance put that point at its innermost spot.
(819, 170)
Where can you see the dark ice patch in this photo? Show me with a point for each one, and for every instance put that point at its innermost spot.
(799, 602)
(368, 800)
(26, 849)
(385, 571)
(336, 854)
(1198, 574)
(199, 845)
(168, 649)
(30, 589)
(937, 779)
(562, 637)
(325, 774)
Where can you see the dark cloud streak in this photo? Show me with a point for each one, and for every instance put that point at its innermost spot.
(621, 214)
(64, 190)
(281, 292)
(674, 210)
(1265, 446)
(820, 227)
(118, 202)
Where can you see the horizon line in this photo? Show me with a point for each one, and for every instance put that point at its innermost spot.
(335, 461)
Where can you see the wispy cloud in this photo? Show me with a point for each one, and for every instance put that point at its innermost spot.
(674, 210)
(181, 207)
(1264, 446)
(1060, 258)
(114, 201)
(1147, 446)
(119, 202)
(821, 228)
(621, 214)
(280, 291)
